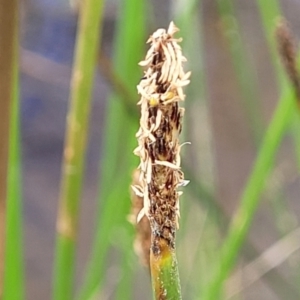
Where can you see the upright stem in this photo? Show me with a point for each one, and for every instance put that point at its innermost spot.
(87, 44)
(243, 217)
(8, 13)
(116, 161)
(159, 152)
(164, 272)
(14, 262)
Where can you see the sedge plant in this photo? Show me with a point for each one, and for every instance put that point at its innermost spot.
(75, 146)
(159, 152)
(14, 263)
(113, 205)
(250, 198)
(11, 280)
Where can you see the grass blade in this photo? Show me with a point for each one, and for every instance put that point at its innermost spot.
(14, 268)
(271, 15)
(274, 279)
(254, 187)
(8, 21)
(117, 160)
(187, 16)
(200, 192)
(250, 199)
(75, 146)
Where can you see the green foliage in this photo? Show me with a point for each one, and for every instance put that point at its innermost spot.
(118, 161)
(251, 195)
(204, 265)
(14, 259)
(87, 43)
(264, 164)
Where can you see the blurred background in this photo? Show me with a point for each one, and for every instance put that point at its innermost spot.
(229, 104)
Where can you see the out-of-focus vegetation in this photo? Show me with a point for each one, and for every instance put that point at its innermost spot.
(239, 232)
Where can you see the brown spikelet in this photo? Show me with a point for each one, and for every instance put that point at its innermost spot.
(287, 50)
(143, 235)
(160, 126)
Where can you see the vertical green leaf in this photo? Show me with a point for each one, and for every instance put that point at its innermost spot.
(14, 268)
(8, 82)
(87, 43)
(243, 217)
(118, 161)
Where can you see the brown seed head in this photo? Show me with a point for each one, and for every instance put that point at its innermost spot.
(160, 126)
(287, 50)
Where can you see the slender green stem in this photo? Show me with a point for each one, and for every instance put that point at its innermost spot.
(14, 268)
(8, 17)
(117, 160)
(269, 12)
(250, 199)
(164, 273)
(87, 44)
(274, 279)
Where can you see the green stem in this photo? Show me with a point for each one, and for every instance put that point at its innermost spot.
(117, 160)
(14, 268)
(241, 222)
(270, 12)
(87, 44)
(274, 279)
(164, 272)
(250, 199)
(8, 16)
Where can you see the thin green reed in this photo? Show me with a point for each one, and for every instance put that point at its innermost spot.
(87, 43)
(270, 12)
(273, 275)
(254, 187)
(117, 161)
(243, 217)
(188, 16)
(8, 29)
(14, 264)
